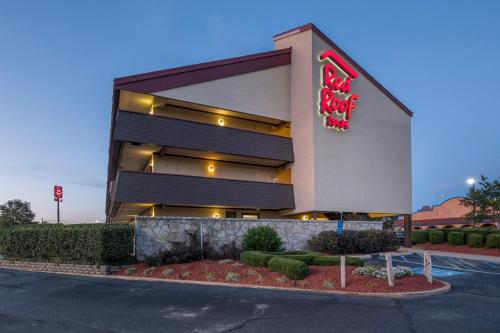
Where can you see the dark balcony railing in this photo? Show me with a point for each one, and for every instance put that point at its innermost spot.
(178, 190)
(170, 132)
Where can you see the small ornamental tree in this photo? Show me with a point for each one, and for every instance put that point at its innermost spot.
(15, 212)
(484, 201)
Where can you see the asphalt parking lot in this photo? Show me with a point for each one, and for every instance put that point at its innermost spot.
(41, 302)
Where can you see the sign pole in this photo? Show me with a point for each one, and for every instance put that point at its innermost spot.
(340, 225)
(58, 195)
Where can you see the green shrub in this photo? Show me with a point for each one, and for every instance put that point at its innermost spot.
(436, 236)
(255, 258)
(493, 241)
(366, 241)
(305, 258)
(482, 231)
(446, 231)
(335, 261)
(294, 269)
(261, 238)
(77, 244)
(456, 238)
(475, 240)
(420, 236)
(294, 252)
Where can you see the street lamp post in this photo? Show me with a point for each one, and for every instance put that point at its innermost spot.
(471, 182)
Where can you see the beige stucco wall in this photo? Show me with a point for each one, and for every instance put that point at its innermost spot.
(364, 169)
(263, 93)
(199, 167)
(303, 173)
(368, 167)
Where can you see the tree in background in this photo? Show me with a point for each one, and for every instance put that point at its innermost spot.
(15, 212)
(484, 201)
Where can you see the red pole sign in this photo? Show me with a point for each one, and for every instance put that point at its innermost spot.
(58, 193)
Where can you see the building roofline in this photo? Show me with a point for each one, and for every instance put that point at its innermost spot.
(245, 64)
(312, 27)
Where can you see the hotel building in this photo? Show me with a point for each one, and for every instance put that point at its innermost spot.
(299, 132)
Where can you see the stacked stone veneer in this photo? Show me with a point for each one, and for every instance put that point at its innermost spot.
(157, 234)
(53, 267)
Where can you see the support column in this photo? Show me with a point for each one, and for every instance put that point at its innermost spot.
(407, 224)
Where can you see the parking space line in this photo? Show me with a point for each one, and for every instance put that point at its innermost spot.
(445, 267)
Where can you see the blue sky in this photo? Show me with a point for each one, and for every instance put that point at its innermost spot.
(58, 60)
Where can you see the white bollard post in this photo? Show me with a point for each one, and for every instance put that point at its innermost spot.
(428, 266)
(342, 271)
(390, 270)
(201, 240)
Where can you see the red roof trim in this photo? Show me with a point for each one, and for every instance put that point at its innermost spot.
(312, 27)
(182, 76)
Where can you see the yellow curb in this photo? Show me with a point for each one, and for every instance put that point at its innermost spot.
(409, 294)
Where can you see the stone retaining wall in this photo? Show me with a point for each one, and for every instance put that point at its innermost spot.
(53, 267)
(156, 234)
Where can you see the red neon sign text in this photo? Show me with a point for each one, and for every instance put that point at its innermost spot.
(333, 86)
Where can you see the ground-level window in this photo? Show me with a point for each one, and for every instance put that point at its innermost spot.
(250, 216)
(230, 214)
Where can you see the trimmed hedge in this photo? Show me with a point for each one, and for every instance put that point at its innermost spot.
(262, 238)
(307, 259)
(261, 259)
(493, 241)
(456, 238)
(335, 261)
(420, 236)
(446, 231)
(475, 240)
(365, 241)
(91, 244)
(436, 236)
(255, 258)
(294, 269)
(482, 231)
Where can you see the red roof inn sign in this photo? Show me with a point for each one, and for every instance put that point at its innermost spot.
(58, 193)
(336, 102)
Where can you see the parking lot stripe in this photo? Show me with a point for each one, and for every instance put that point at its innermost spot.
(445, 267)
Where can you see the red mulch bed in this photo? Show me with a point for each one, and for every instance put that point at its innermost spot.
(445, 247)
(321, 277)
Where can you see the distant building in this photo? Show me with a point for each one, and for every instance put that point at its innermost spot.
(450, 213)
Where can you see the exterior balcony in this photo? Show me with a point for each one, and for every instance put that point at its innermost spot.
(188, 138)
(177, 190)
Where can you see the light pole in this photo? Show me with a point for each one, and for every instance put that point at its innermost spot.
(471, 181)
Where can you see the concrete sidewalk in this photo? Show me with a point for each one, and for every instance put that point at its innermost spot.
(408, 250)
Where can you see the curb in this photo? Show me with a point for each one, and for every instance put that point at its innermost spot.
(398, 295)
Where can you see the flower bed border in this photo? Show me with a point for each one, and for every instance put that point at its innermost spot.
(400, 295)
(104, 272)
(50, 267)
